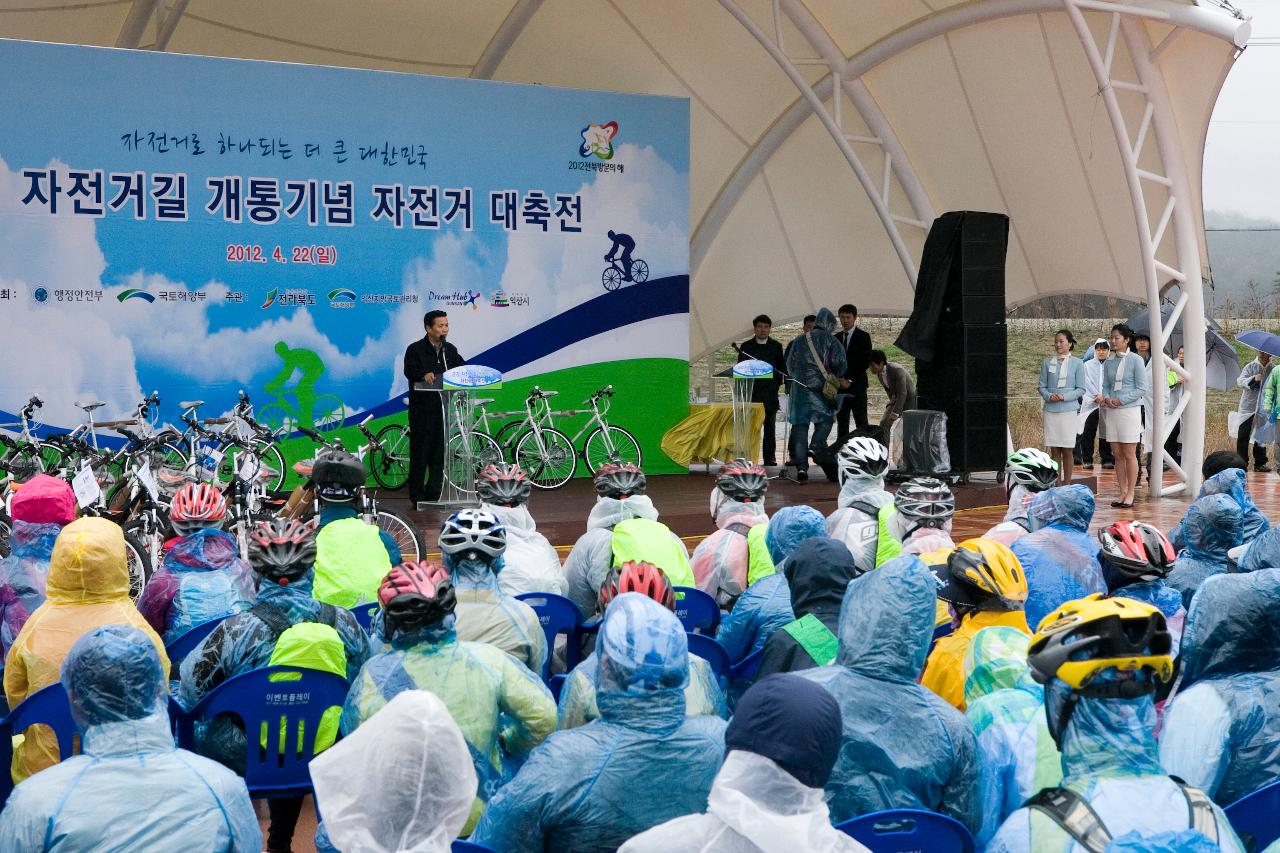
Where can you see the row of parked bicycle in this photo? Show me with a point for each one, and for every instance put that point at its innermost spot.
(131, 480)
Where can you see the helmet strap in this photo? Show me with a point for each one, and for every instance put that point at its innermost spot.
(1058, 728)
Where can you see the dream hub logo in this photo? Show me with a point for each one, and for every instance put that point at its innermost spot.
(597, 139)
(342, 297)
(135, 293)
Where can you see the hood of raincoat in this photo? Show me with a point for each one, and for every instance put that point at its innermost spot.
(817, 573)
(886, 621)
(1233, 627)
(113, 674)
(44, 500)
(790, 526)
(773, 711)
(826, 321)
(204, 550)
(435, 634)
(1213, 527)
(856, 488)
(737, 512)
(284, 596)
(473, 572)
(643, 660)
(1233, 484)
(1263, 552)
(403, 781)
(88, 564)
(609, 512)
(31, 540)
(1066, 507)
(1020, 498)
(1105, 737)
(997, 660)
(512, 517)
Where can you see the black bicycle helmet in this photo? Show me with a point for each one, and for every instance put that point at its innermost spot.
(503, 485)
(282, 550)
(619, 480)
(338, 477)
(742, 480)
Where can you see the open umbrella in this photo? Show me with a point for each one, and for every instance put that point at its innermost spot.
(1222, 363)
(1261, 341)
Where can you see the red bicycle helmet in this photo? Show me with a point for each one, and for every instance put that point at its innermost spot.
(644, 578)
(1136, 551)
(503, 485)
(742, 480)
(416, 594)
(282, 550)
(195, 506)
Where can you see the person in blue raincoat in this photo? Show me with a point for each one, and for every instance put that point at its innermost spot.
(130, 788)
(1222, 728)
(903, 747)
(641, 764)
(1261, 553)
(1006, 707)
(811, 358)
(1059, 556)
(1212, 527)
(1230, 482)
(1100, 660)
(766, 605)
(1136, 558)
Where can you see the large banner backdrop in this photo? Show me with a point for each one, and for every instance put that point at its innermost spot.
(197, 226)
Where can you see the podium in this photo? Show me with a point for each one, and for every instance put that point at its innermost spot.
(745, 433)
(466, 451)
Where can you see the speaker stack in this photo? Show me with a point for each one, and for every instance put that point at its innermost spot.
(966, 375)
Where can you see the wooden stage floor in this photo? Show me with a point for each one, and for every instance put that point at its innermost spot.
(683, 504)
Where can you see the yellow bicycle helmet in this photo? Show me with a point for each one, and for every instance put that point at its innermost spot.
(983, 574)
(1083, 638)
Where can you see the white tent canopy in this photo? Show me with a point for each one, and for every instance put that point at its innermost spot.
(799, 200)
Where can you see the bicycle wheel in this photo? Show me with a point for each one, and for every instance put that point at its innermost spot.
(174, 455)
(51, 457)
(615, 445)
(507, 437)
(611, 278)
(639, 271)
(403, 531)
(550, 465)
(389, 459)
(483, 451)
(139, 563)
(329, 413)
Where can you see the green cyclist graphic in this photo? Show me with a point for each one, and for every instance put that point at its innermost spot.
(299, 404)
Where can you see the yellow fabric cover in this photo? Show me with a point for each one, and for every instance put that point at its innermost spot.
(944, 671)
(88, 588)
(707, 433)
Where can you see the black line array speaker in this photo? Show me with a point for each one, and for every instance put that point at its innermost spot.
(957, 332)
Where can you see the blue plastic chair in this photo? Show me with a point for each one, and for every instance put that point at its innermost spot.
(284, 699)
(364, 614)
(461, 846)
(697, 611)
(557, 615)
(186, 644)
(748, 666)
(556, 685)
(48, 706)
(908, 831)
(709, 649)
(944, 630)
(1257, 815)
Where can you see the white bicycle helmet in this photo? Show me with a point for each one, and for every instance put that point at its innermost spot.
(926, 501)
(472, 532)
(1032, 468)
(862, 458)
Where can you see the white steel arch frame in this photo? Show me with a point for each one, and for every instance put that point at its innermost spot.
(896, 163)
(1157, 120)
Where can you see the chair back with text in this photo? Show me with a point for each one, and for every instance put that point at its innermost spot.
(908, 831)
(697, 611)
(557, 615)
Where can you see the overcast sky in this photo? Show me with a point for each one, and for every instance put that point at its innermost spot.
(1242, 158)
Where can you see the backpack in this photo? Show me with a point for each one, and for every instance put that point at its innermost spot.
(309, 645)
(1077, 818)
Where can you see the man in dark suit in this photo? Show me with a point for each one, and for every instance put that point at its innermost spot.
(424, 362)
(765, 391)
(857, 351)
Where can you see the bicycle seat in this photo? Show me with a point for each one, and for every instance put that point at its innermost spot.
(482, 401)
(303, 467)
(89, 407)
(191, 404)
(173, 477)
(550, 393)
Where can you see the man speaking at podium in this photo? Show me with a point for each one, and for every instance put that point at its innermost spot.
(424, 363)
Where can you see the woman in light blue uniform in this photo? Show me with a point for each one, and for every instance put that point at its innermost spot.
(1062, 386)
(1124, 385)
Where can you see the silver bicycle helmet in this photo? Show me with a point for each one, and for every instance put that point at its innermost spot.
(619, 480)
(473, 532)
(742, 480)
(862, 458)
(1031, 467)
(926, 501)
(503, 485)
